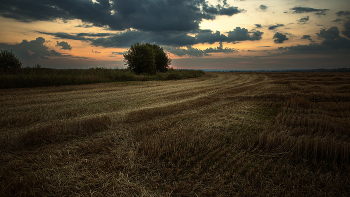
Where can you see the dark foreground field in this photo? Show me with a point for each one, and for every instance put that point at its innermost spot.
(223, 134)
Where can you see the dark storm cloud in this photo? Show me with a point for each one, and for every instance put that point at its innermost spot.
(241, 34)
(64, 36)
(194, 52)
(258, 25)
(220, 49)
(330, 34)
(220, 10)
(346, 31)
(229, 11)
(307, 10)
(32, 10)
(125, 39)
(332, 43)
(34, 49)
(343, 13)
(263, 7)
(209, 37)
(147, 15)
(64, 45)
(304, 20)
(280, 38)
(275, 26)
(238, 34)
(190, 51)
(332, 39)
(94, 35)
(308, 37)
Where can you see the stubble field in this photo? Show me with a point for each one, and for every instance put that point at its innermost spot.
(222, 134)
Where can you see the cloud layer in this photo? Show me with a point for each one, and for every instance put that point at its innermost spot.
(176, 39)
(332, 43)
(64, 45)
(308, 10)
(34, 49)
(304, 19)
(275, 26)
(146, 15)
(193, 52)
(280, 38)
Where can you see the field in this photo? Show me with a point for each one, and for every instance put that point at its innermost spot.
(221, 134)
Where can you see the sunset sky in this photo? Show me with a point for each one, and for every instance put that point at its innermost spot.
(197, 34)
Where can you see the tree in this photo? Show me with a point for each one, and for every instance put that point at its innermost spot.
(146, 58)
(161, 58)
(9, 62)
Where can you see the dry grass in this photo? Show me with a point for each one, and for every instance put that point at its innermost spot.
(151, 113)
(56, 132)
(313, 123)
(223, 134)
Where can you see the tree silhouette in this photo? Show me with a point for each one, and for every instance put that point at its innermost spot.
(146, 58)
(9, 63)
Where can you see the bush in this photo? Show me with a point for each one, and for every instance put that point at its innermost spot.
(9, 62)
(146, 58)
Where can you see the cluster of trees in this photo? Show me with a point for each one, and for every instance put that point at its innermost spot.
(9, 63)
(146, 58)
(141, 58)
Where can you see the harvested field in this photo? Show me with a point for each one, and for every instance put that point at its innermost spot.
(222, 134)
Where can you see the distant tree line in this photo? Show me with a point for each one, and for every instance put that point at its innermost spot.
(141, 58)
(147, 59)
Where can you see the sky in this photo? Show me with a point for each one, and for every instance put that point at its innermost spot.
(196, 34)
